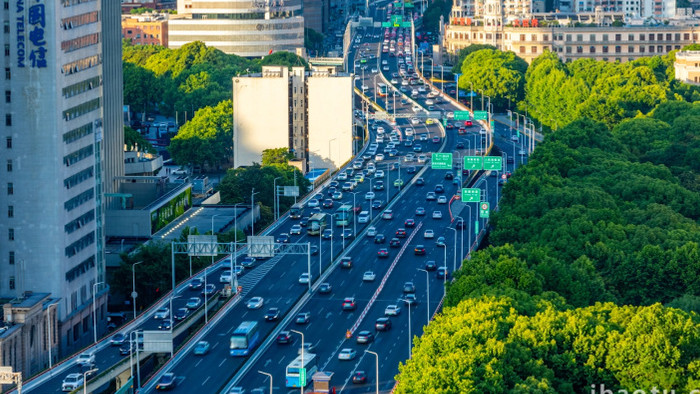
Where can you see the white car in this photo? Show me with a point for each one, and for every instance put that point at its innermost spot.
(415, 121)
(380, 130)
(450, 115)
(392, 310)
(304, 278)
(296, 229)
(369, 196)
(442, 200)
(379, 174)
(162, 313)
(368, 276)
(347, 354)
(437, 215)
(394, 81)
(422, 158)
(429, 234)
(514, 138)
(72, 382)
(225, 277)
(371, 231)
(255, 303)
(416, 108)
(374, 70)
(384, 62)
(379, 157)
(179, 171)
(313, 203)
(408, 131)
(429, 102)
(88, 358)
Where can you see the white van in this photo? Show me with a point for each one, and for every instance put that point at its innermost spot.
(363, 217)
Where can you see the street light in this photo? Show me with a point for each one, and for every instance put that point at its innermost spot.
(376, 370)
(134, 343)
(252, 208)
(270, 376)
(274, 197)
(464, 223)
(85, 374)
(134, 294)
(409, 326)
(94, 312)
(48, 321)
(427, 300)
(302, 357)
(354, 222)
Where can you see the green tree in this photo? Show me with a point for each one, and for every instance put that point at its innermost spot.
(276, 156)
(313, 40)
(134, 138)
(432, 14)
(141, 88)
(464, 52)
(283, 58)
(207, 139)
(500, 75)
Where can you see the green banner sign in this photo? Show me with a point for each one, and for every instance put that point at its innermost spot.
(406, 24)
(484, 210)
(462, 115)
(492, 125)
(471, 195)
(441, 161)
(386, 24)
(481, 115)
(171, 210)
(493, 163)
(473, 162)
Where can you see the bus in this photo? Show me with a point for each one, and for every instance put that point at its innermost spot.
(245, 338)
(296, 210)
(317, 223)
(381, 89)
(293, 370)
(344, 215)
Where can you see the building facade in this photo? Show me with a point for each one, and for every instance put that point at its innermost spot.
(572, 43)
(249, 28)
(151, 29)
(316, 14)
(61, 118)
(687, 67)
(308, 112)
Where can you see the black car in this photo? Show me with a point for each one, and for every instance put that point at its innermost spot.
(409, 223)
(383, 253)
(364, 337)
(125, 349)
(382, 324)
(430, 265)
(395, 243)
(284, 337)
(377, 204)
(411, 170)
(401, 233)
(328, 203)
(420, 182)
(359, 377)
(181, 313)
(442, 273)
(196, 283)
(314, 250)
(272, 314)
(449, 175)
(248, 262)
(439, 188)
(379, 239)
(419, 250)
(303, 222)
(327, 233)
(283, 238)
(167, 382)
(378, 185)
(325, 288)
(409, 287)
(165, 325)
(346, 262)
(459, 145)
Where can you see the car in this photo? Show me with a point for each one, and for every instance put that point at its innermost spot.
(392, 310)
(409, 287)
(337, 195)
(420, 211)
(395, 242)
(303, 222)
(118, 339)
(430, 196)
(225, 276)
(296, 230)
(388, 214)
(248, 262)
(379, 174)
(328, 203)
(181, 314)
(442, 200)
(382, 324)
(436, 140)
(359, 377)
(401, 233)
(460, 145)
(398, 182)
(419, 250)
(304, 278)
(430, 265)
(369, 196)
(418, 149)
(125, 348)
(346, 262)
(514, 138)
(201, 348)
(327, 234)
(165, 325)
(442, 273)
(411, 170)
(410, 299)
(166, 382)
(209, 289)
(377, 204)
(255, 303)
(347, 354)
(349, 304)
(379, 238)
(307, 348)
(440, 241)
(379, 157)
(382, 253)
(303, 318)
(422, 158)
(378, 186)
(313, 203)
(364, 337)
(347, 187)
(72, 381)
(161, 313)
(325, 288)
(346, 234)
(194, 303)
(284, 337)
(439, 188)
(449, 175)
(196, 283)
(368, 276)
(409, 222)
(428, 234)
(272, 314)
(437, 215)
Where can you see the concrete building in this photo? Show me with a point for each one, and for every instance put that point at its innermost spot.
(571, 43)
(308, 112)
(61, 118)
(317, 14)
(128, 5)
(687, 67)
(250, 28)
(150, 29)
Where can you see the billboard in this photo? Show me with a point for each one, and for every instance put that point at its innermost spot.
(171, 210)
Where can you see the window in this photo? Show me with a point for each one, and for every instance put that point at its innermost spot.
(7, 49)
(651, 49)
(8, 96)
(545, 37)
(85, 324)
(12, 282)
(12, 257)
(618, 37)
(533, 49)
(642, 37)
(8, 74)
(579, 37)
(8, 142)
(592, 49)
(641, 49)
(6, 27)
(591, 38)
(522, 49)
(11, 234)
(10, 188)
(651, 37)
(630, 49)
(568, 49)
(618, 49)
(605, 49)
(10, 211)
(8, 119)
(605, 37)
(533, 37)
(9, 166)
(579, 49)
(630, 37)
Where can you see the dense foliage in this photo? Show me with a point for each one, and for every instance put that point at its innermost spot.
(435, 10)
(495, 74)
(133, 138)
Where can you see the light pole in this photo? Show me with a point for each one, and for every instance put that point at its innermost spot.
(94, 311)
(85, 374)
(301, 385)
(427, 300)
(376, 370)
(457, 88)
(234, 275)
(134, 294)
(48, 321)
(444, 265)
(410, 340)
(135, 344)
(454, 264)
(269, 376)
(274, 196)
(354, 222)
(375, 87)
(252, 208)
(371, 200)
(471, 97)
(464, 223)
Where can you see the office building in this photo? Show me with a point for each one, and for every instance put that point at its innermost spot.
(249, 28)
(317, 14)
(62, 142)
(687, 67)
(308, 112)
(148, 29)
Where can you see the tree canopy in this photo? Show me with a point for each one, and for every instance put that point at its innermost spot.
(431, 17)
(207, 139)
(133, 138)
(499, 75)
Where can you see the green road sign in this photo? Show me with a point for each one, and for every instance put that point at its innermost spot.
(408, 5)
(444, 122)
(473, 162)
(386, 24)
(441, 161)
(481, 115)
(396, 20)
(484, 210)
(462, 115)
(476, 227)
(471, 195)
(492, 125)
(302, 375)
(493, 163)
(406, 24)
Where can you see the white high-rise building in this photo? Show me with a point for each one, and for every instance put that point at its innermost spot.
(62, 143)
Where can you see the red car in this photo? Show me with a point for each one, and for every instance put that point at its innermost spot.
(401, 233)
(449, 126)
(419, 250)
(383, 253)
(349, 304)
(468, 123)
(359, 377)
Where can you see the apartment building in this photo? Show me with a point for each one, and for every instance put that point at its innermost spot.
(149, 29)
(687, 67)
